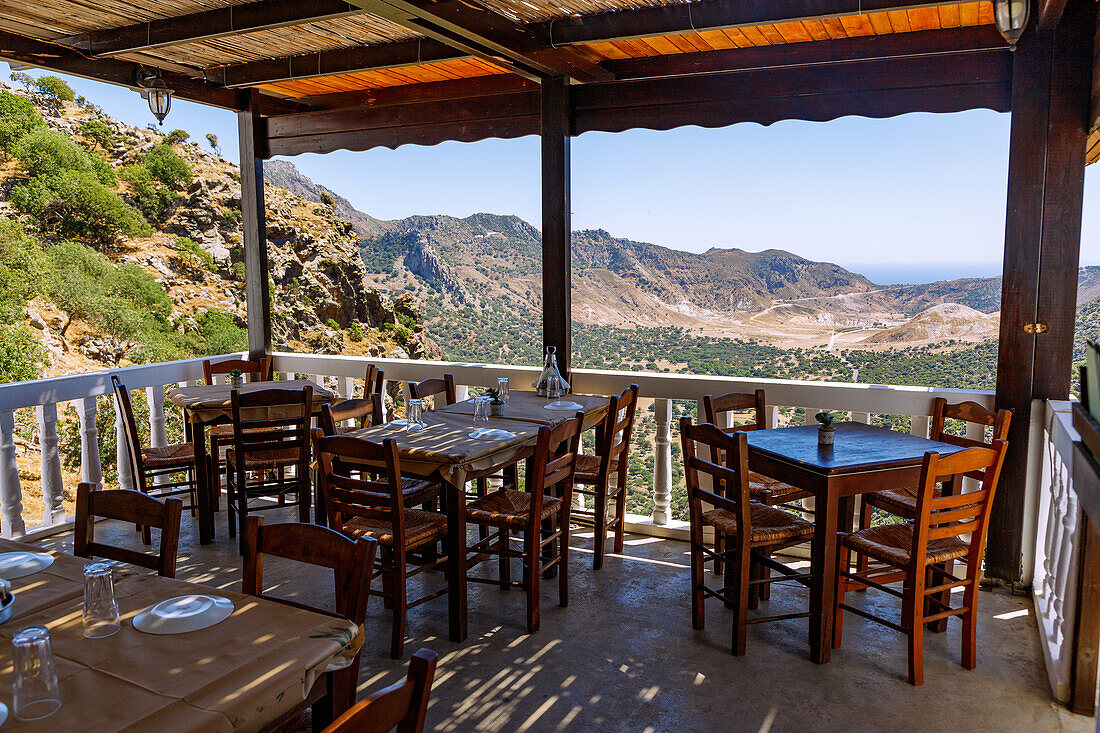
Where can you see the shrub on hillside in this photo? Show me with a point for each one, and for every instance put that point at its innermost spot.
(327, 198)
(102, 168)
(152, 198)
(17, 118)
(74, 204)
(54, 88)
(193, 248)
(98, 132)
(22, 356)
(167, 167)
(221, 334)
(23, 267)
(45, 152)
(175, 137)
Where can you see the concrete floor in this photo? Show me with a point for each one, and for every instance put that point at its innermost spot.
(623, 656)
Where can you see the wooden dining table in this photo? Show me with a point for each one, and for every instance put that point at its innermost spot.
(240, 674)
(863, 459)
(211, 404)
(444, 451)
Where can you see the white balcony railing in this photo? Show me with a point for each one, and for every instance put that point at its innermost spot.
(344, 373)
(1057, 549)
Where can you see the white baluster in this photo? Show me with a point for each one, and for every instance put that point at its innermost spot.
(347, 387)
(462, 392)
(91, 470)
(158, 436)
(662, 462)
(122, 451)
(1058, 507)
(771, 416)
(810, 412)
(11, 494)
(919, 425)
(861, 417)
(52, 485)
(1063, 585)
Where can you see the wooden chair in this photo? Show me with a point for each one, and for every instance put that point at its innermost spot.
(374, 380)
(361, 507)
(221, 435)
(903, 502)
(352, 563)
(539, 517)
(402, 706)
(917, 553)
(152, 469)
(128, 506)
(752, 531)
(762, 488)
(612, 452)
(270, 434)
(434, 388)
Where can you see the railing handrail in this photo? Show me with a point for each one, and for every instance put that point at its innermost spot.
(52, 390)
(872, 398)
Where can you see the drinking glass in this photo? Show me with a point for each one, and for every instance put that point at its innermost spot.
(481, 411)
(502, 389)
(554, 387)
(34, 692)
(413, 419)
(100, 608)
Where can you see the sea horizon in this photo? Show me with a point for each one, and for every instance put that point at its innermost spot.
(915, 273)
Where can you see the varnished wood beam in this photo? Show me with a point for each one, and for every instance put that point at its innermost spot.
(423, 92)
(337, 61)
(1050, 93)
(55, 57)
(486, 34)
(707, 15)
(557, 228)
(254, 231)
(920, 43)
(208, 25)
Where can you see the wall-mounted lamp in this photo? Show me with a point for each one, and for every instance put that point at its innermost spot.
(1011, 17)
(155, 92)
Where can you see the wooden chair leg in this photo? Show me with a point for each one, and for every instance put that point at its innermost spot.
(388, 581)
(242, 505)
(563, 563)
(599, 538)
(505, 561)
(698, 614)
(970, 626)
(913, 620)
(756, 572)
(304, 496)
(397, 641)
(620, 518)
(866, 512)
(718, 548)
(740, 571)
(843, 560)
(215, 473)
(764, 572)
(532, 577)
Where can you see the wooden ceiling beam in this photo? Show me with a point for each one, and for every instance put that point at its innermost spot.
(919, 43)
(208, 25)
(423, 92)
(488, 35)
(876, 87)
(329, 63)
(704, 15)
(55, 57)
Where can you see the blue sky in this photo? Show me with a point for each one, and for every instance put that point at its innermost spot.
(872, 194)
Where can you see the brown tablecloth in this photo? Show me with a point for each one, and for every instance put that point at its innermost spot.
(240, 674)
(212, 402)
(445, 447)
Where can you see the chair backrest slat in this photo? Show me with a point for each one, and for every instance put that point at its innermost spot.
(554, 470)
(128, 506)
(258, 370)
(715, 409)
(437, 386)
(614, 435)
(373, 380)
(366, 411)
(272, 419)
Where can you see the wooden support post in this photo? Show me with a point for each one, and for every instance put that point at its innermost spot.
(254, 230)
(556, 221)
(1050, 103)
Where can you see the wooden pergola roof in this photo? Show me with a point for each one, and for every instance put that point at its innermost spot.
(423, 71)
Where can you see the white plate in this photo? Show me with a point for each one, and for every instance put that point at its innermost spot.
(17, 564)
(563, 406)
(398, 423)
(491, 434)
(183, 614)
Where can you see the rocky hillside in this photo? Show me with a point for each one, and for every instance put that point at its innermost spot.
(182, 231)
(939, 323)
(285, 174)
